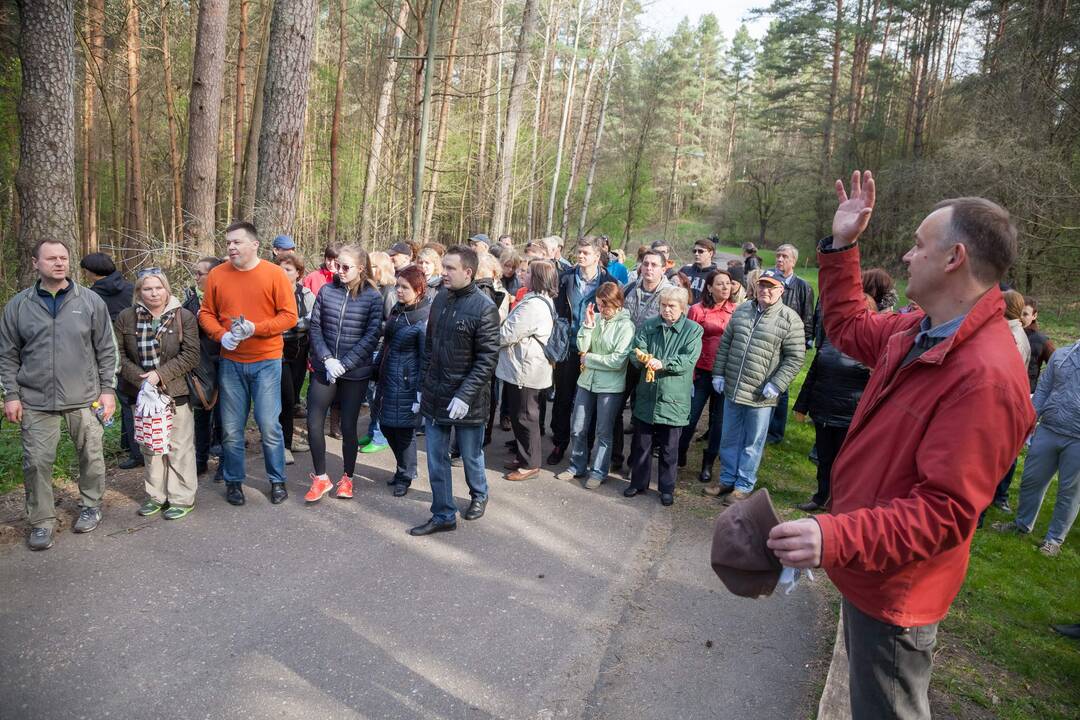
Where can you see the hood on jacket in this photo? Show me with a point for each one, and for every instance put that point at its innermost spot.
(114, 284)
(172, 304)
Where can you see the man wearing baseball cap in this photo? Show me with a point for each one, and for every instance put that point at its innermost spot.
(481, 243)
(283, 244)
(400, 254)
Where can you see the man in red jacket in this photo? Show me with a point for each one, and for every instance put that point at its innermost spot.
(944, 414)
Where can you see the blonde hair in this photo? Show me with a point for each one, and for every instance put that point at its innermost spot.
(489, 267)
(140, 279)
(382, 268)
(363, 266)
(432, 255)
(676, 293)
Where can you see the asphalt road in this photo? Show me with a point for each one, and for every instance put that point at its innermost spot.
(559, 603)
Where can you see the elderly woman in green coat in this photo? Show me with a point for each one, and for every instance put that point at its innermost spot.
(666, 348)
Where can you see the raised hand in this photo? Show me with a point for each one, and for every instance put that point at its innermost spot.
(590, 315)
(853, 214)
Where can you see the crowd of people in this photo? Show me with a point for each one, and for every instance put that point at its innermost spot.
(913, 407)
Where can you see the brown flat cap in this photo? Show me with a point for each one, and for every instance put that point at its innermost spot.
(740, 558)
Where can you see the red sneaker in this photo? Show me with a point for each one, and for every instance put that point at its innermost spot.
(344, 488)
(319, 487)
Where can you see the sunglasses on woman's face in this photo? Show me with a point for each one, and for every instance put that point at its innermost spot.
(344, 268)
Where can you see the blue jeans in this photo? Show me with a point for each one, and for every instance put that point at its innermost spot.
(1050, 453)
(704, 393)
(742, 443)
(778, 419)
(587, 404)
(241, 385)
(470, 440)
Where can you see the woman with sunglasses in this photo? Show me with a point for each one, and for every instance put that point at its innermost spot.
(343, 332)
(159, 343)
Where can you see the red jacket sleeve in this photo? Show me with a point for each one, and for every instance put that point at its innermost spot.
(853, 329)
(960, 460)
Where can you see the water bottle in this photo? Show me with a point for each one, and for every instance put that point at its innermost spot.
(99, 413)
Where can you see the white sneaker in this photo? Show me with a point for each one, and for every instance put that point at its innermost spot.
(288, 457)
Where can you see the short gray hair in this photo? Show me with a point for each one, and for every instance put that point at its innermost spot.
(676, 293)
(787, 247)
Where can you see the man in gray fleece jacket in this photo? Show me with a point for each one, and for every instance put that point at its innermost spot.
(58, 358)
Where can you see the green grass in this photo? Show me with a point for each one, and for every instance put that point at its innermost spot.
(997, 657)
(66, 466)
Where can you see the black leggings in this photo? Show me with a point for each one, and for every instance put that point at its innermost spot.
(350, 394)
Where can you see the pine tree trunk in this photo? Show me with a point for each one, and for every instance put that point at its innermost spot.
(505, 164)
(578, 148)
(175, 165)
(281, 142)
(922, 99)
(45, 179)
(204, 108)
(93, 63)
(567, 105)
(834, 84)
(135, 225)
(612, 55)
(335, 126)
(480, 194)
(444, 110)
(371, 180)
(239, 93)
(251, 147)
(534, 171)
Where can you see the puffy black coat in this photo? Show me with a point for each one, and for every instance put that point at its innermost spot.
(460, 352)
(833, 386)
(345, 327)
(117, 293)
(399, 365)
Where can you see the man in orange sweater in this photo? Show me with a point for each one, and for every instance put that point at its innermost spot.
(247, 305)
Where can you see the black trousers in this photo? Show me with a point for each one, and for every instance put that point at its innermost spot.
(666, 438)
(351, 394)
(207, 432)
(523, 405)
(566, 377)
(403, 442)
(618, 444)
(829, 440)
(888, 667)
(293, 369)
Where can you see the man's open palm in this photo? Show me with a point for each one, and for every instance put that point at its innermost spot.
(853, 214)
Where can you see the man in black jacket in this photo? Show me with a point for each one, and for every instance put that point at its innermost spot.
(118, 293)
(577, 288)
(460, 353)
(701, 267)
(799, 296)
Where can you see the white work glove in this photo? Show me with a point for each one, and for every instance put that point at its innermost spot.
(457, 409)
(770, 391)
(149, 403)
(242, 329)
(229, 341)
(718, 384)
(334, 369)
(416, 405)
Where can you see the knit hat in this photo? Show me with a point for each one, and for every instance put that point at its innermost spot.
(740, 557)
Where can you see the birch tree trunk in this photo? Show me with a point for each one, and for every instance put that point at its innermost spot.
(613, 52)
(45, 180)
(579, 142)
(505, 164)
(534, 171)
(204, 107)
(567, 104)
(371, 178)
(94, 61)
(444, 110)
(281, 142)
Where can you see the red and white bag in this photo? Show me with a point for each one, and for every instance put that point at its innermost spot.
(153, 422)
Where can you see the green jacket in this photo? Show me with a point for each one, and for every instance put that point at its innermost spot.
(607, 345)
(756, 349)
(666, 401)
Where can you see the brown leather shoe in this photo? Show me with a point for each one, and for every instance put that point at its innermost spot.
(522, 474)
(512, 464)
(734, 497)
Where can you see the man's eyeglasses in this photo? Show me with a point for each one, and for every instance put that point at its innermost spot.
(150, 271)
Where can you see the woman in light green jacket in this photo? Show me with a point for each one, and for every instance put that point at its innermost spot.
(604, 343)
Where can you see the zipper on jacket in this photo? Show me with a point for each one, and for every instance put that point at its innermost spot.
(746, 352)
(341, 322)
